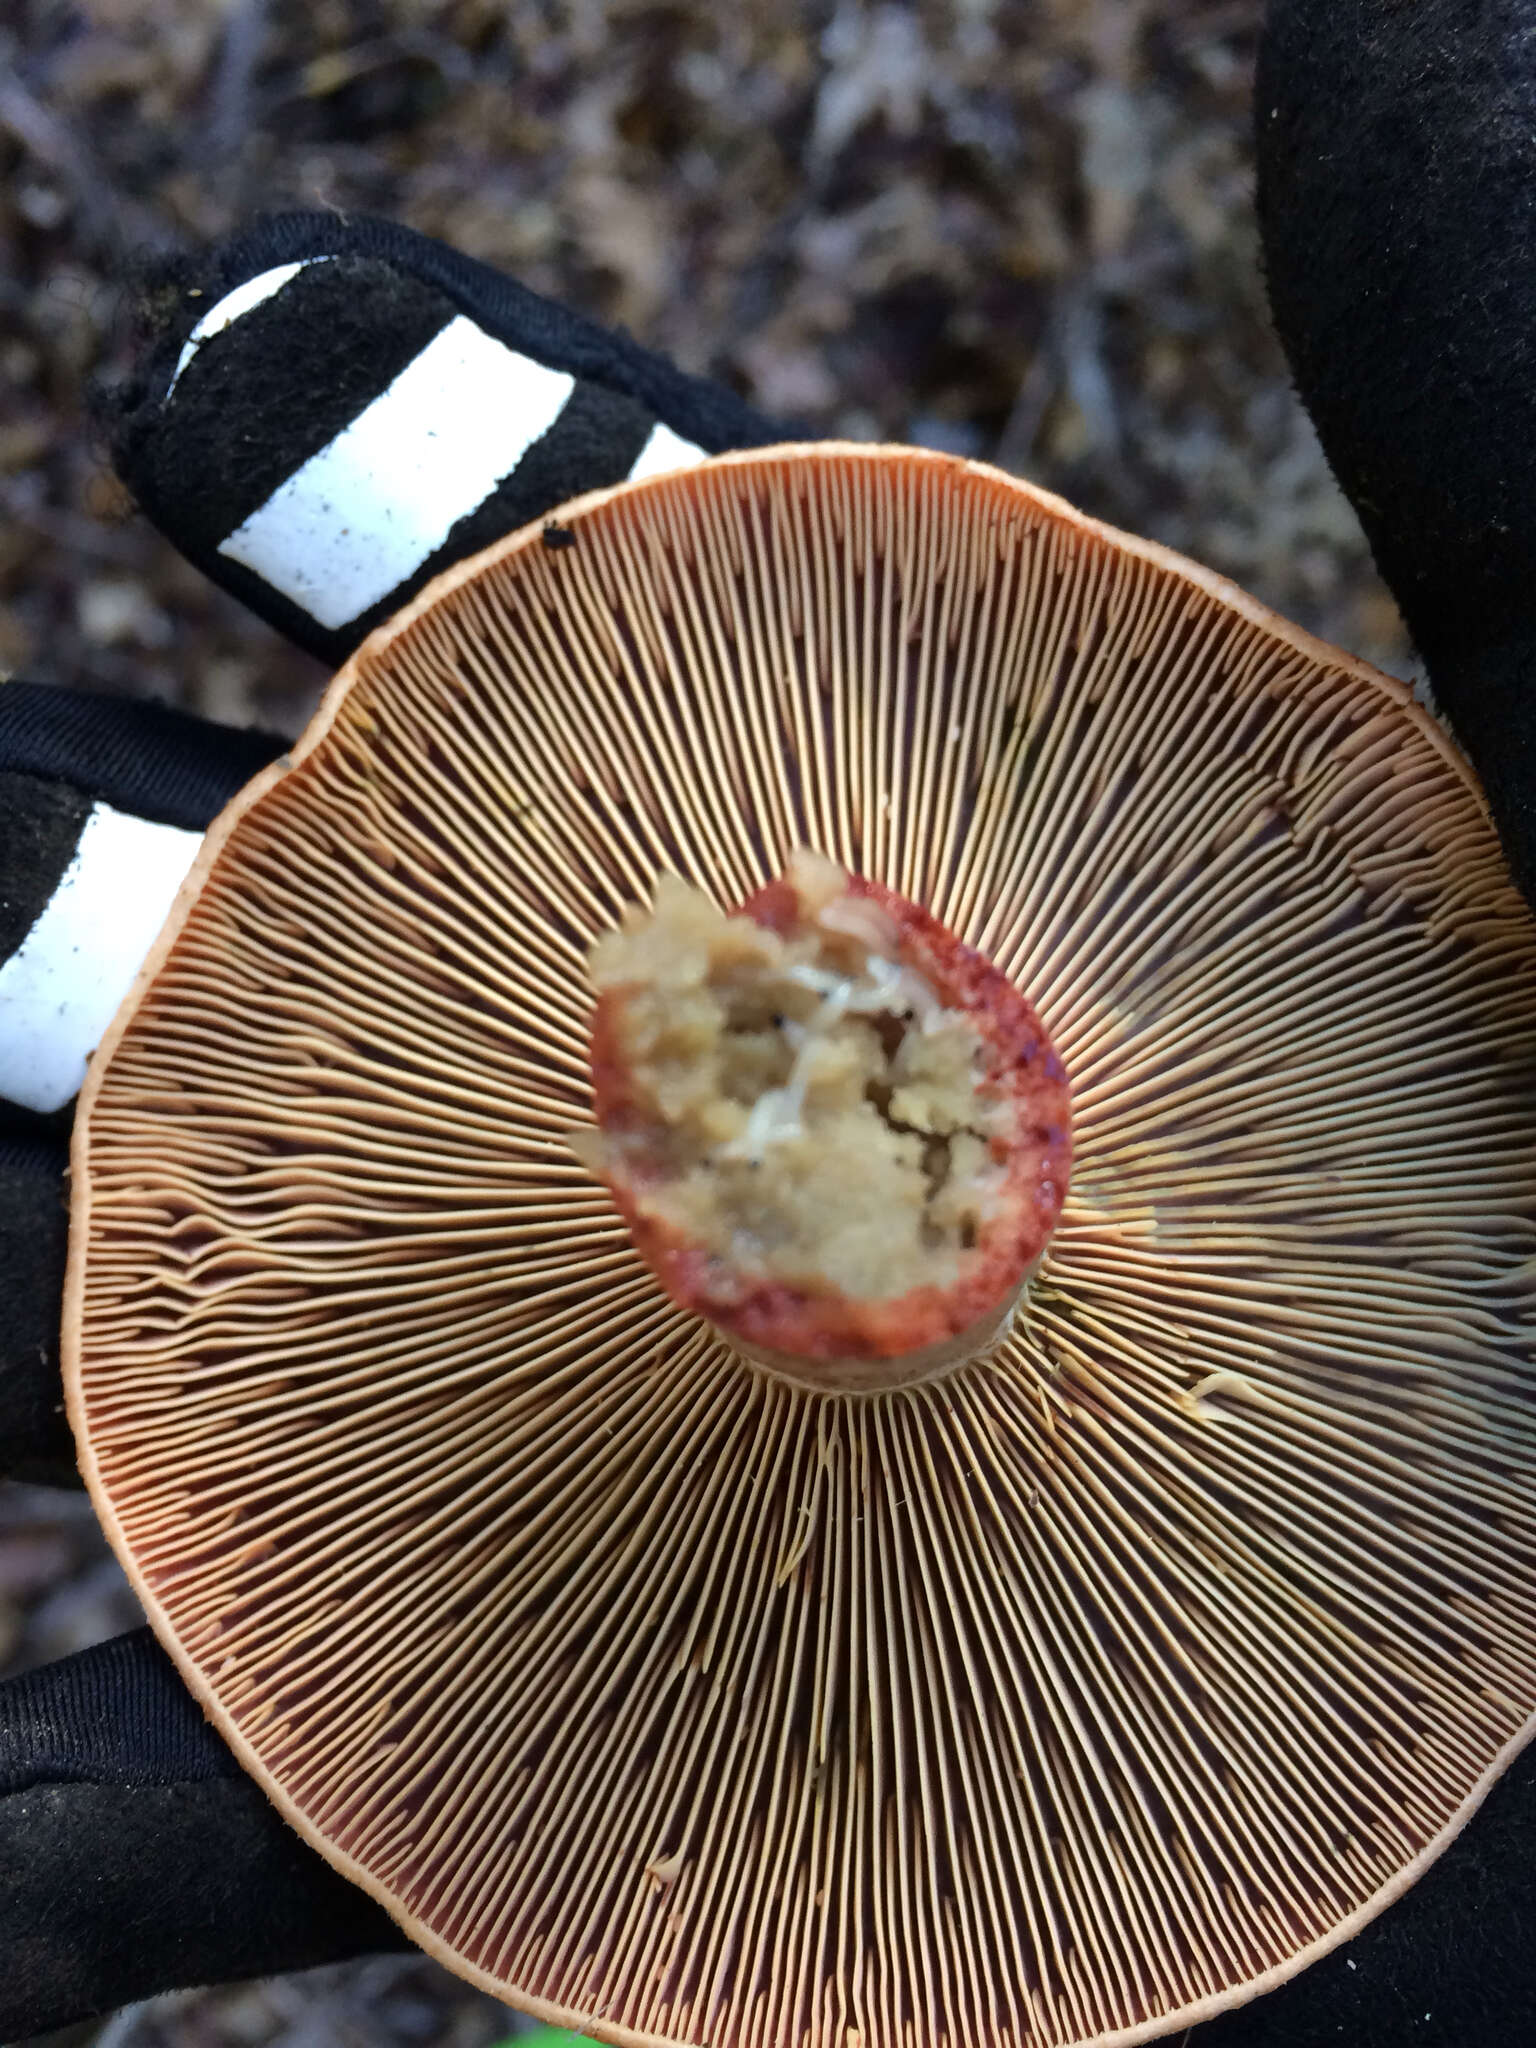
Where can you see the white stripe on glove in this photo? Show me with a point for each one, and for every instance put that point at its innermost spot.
(60, 988)
(366, 511)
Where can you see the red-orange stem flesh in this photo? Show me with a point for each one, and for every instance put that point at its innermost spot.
(834, 1130)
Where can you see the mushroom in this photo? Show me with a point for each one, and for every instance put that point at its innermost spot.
(1074, 1694)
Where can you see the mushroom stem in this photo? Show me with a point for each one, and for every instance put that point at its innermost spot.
(855, 1375)
(835, 1132)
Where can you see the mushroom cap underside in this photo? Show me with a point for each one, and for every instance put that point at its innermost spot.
(1071, 1698)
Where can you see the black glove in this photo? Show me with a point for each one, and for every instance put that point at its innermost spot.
(1397, 200)
(363, 408)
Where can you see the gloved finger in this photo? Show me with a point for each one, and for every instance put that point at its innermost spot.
(102, 808)
(35, 1439)
(1397, 185)
(336, 409)
(137, 1857)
